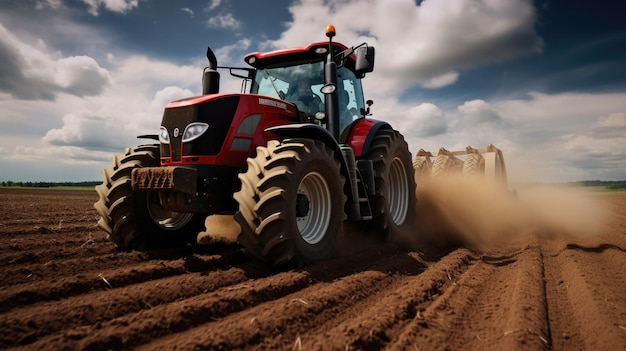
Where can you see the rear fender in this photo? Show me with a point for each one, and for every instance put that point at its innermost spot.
(361, 133)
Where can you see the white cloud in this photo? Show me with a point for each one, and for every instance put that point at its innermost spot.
(118, 6)
(478, 112)
(441, 80)
(90, 130)
(420, 45)
(214, 4)
(30, 71)
(563, 137)
(613, 126)
(51, 4)
(187, 10)
(572, 111)
(80, 76)
(90, 133)
(167, 95)
(424, 120)
(71, 155)
(224, 21)
(229, 54)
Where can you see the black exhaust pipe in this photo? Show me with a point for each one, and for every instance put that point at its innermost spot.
(210, 76)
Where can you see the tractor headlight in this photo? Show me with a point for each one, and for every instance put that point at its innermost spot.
(194, 131)
(164, 136)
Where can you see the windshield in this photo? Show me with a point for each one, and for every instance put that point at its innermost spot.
(281, 82)
(301, 84)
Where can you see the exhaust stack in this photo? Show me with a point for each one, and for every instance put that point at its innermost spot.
(210, 76)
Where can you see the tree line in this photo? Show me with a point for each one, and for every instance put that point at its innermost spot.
(608, 184)
(10, 183)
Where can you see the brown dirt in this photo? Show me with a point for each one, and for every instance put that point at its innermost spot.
(63, 285)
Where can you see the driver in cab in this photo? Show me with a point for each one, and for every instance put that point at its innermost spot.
(304, 98)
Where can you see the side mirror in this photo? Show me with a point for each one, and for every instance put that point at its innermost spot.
(364, 59)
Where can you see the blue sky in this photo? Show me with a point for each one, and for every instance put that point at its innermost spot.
(543, 80)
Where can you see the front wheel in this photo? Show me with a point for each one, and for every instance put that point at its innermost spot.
(393, 204)
(135, 220)
(291, 203)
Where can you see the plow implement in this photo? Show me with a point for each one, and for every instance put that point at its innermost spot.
(487, 162)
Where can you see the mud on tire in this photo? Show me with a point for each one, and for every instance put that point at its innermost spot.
(291, 203)
(135, 220)
(393, 205)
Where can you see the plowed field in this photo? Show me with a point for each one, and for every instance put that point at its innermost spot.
(502, 284)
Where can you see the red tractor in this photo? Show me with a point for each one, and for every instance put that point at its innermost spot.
(294, 160)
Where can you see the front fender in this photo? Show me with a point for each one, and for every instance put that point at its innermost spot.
(310, 131)
(316, 132)
(305, 131)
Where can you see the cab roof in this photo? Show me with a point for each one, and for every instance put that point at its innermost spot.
(313, 52)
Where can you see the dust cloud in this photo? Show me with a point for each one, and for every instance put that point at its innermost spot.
(474, 213)
(479, 214)
(219, 228)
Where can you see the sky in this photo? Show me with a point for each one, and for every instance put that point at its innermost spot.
(544, 80)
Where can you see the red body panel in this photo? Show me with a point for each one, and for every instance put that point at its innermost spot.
(263, 59)
(361, 134)
(274, 112)
(195, 100)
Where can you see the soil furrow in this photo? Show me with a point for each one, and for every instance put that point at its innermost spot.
(88, 259)
(76, 312)
(302, 312)
(52, 249)
(19, 273)
(494, 305)
(146, 325)
(575, 293)
(46, 231)
(86, 282)
(377, 325)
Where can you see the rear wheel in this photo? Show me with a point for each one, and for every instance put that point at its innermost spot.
(393, 204)
(136, 220)
(291, 203)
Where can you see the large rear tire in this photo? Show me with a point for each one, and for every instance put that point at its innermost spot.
(291, 203)
(136, 220)
(393, 205)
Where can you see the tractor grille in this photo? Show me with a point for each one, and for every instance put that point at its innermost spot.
(218, 114)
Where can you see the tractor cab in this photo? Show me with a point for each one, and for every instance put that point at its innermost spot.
(297, 75)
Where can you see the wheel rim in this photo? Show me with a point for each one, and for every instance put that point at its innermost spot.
(313, 224)
(166, 219)
(398, 192)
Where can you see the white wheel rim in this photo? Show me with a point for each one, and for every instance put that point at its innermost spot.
(314, 224)
(166, 219)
